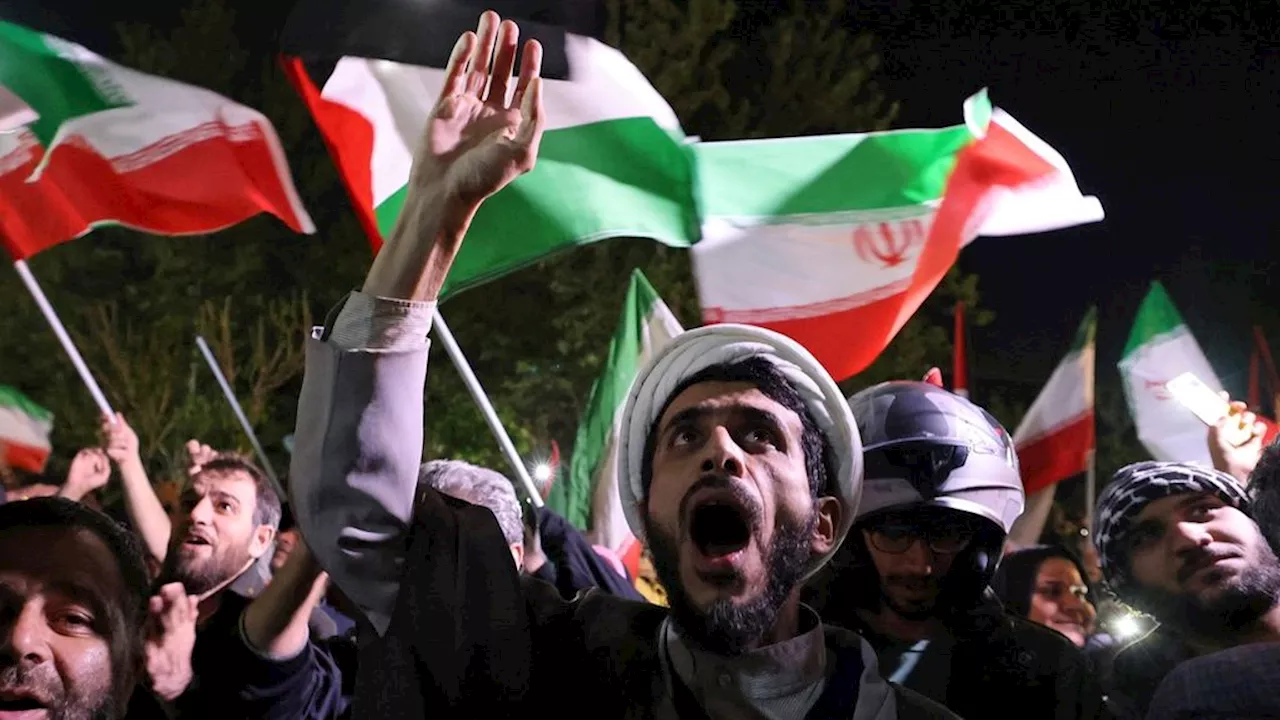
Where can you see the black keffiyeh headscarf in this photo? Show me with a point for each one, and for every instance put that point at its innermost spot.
(1136, 485)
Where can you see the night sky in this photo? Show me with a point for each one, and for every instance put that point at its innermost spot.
(1170, 116)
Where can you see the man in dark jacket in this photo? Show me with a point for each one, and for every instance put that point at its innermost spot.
(943, 489)
(738, 460)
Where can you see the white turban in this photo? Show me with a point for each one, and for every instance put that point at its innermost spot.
(696, 350)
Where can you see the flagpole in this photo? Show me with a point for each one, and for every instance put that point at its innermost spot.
(51, 316)
(239, 411)
(486, 408)
(1090, 488)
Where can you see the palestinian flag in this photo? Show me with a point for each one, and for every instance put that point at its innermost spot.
(589, 497)
(24, 431)
(1056, 436)
(103, 144)
(612, 161)
(1160, 348)
(837, 240)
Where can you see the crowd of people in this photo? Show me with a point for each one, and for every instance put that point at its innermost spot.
(820, 556)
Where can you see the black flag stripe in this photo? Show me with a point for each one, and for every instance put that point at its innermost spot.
(413, 32)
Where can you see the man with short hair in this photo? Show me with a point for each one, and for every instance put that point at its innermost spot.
(73, 611)
(218, 552)
(230, 516)
(1177, 542)
(737, 459)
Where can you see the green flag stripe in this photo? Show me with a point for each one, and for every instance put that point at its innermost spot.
(57, 88)
(13, 398)
(830, 174)
(1087, 331)
(616, 178)
(591, 447)
(1156, 316)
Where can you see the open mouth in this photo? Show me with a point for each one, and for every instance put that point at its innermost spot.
(196, 540)
(21, 705)
(719, 528)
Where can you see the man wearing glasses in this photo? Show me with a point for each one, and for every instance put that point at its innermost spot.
(942, 490)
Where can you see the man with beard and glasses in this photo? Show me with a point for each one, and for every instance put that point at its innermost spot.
(1178, 543)
(73, 612)
(942, 490)
(217, 551)
(737, 456)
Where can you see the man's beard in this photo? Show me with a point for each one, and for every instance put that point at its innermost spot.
(201, 575)
(728, 628)
(1238, 603)
(922, 610)
(44, 681)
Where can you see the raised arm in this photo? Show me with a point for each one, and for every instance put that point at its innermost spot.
(358, 442)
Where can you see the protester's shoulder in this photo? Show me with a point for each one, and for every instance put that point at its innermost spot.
(1155, 652)
(914, 706)
(1043, 650)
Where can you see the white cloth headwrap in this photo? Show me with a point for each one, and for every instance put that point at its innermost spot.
(694, 351)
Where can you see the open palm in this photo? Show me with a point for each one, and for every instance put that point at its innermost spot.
(482, 133)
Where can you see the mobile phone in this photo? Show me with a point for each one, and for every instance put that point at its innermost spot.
(1199, 398)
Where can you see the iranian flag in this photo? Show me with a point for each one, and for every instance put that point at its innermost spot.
(1161, 348)
(837, 240)
(24, 431)
(612, 162)
(589, 497)
(1056, 436)
(92, 143)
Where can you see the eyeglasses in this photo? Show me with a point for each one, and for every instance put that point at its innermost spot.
(946, 539)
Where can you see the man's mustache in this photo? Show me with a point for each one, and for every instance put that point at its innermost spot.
(719, 481)
(1199, 560)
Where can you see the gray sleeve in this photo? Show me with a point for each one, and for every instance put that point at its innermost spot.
(358, 445)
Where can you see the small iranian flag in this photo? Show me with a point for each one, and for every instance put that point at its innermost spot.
(24, 431)
(1161, 348)
(837, 240)
(103, 144)
(589, 497)
(612, 162)
(1056, 435)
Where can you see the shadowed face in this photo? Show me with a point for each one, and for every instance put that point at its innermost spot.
(730, 516)
(1195, 559)
(60, 610)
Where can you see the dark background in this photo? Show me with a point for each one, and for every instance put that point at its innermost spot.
(1167, 113)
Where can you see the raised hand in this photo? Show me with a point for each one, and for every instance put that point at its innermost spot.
(1235, 442)
(483, 133)
(171, 637)
(198, 455)
(120, 439)
(90, 470)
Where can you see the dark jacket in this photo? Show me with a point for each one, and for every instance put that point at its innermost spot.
(1001, 661)
(1138, 670)
(1235, 684)
(231, 680)
(577, 565)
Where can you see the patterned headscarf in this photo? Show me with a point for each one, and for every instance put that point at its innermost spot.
(1137, 485)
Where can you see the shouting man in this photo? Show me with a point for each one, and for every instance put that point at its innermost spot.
(738, 459)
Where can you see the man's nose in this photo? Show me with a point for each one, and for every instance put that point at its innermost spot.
(1188, 537)
(202, 511)
(918, 557)
(723, 454)
(26, 640)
